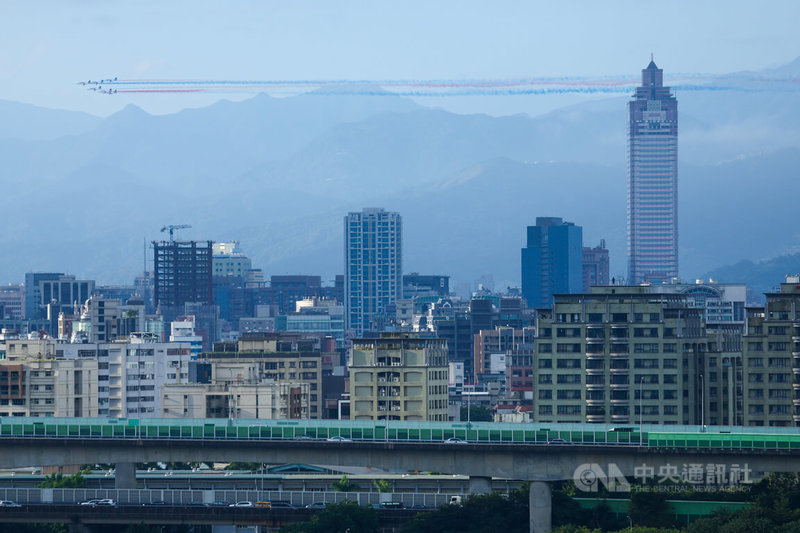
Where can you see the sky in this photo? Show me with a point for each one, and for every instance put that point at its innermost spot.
(46, 47)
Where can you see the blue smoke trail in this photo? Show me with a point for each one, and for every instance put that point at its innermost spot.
(452, 87)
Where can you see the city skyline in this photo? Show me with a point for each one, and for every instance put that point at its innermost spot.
(417, 240)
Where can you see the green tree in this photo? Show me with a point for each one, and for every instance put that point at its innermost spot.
(345, 516)
(565, 509)
(476, 514)
(250, 467)
(381, 485)
(142, 528)
(345, 485)
(60, 481)
(34, 528)
(573, 528)
(650, 509)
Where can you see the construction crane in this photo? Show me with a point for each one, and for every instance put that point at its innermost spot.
(172, 228)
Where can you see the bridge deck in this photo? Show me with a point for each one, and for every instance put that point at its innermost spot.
(477, 432)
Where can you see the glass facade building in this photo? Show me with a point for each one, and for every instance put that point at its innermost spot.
(552, 261)
(652, 181)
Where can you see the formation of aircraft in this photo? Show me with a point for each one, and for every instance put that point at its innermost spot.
(96, 85)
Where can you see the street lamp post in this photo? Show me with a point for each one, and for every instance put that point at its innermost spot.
(702, 405)
(641, 408)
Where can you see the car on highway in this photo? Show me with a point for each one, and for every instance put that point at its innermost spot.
(281, 505)
(391, 505)
(219, 503)
(159, 502)
(557, 441)
(242, 504)
(338, 438)
(99, 502)
(264, 505)
(455, 440)
(9, 503)
(317, 505)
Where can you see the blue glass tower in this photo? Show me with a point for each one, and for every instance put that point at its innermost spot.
(552, 261)
(652, 181)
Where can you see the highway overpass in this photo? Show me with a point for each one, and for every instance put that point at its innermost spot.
(511, 451)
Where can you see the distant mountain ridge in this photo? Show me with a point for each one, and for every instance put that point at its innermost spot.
(279, 175)
(760, 276)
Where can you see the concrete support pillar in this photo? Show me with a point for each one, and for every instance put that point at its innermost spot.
(125, 476)
(480, 485)
(541, 507)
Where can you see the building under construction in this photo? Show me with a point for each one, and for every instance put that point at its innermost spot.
(182, 272)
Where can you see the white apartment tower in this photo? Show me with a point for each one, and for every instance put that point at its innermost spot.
(373, 265)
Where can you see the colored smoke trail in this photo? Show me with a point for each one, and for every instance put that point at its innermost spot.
(450, 87)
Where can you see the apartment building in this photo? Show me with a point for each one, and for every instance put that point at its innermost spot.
(286, 359)
(771, 359)
(620, 355)
(267, 400)
(399, 377)
(128, 375)
(49, 387)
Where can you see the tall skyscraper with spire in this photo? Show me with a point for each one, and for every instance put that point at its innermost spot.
(652, 180)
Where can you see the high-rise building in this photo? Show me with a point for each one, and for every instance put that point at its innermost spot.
(652, 181)
(12, 298)
(595, 266)
(552, 261)
(182, 272)
(417, 285)
(373, 265)
(64, 292)
(771, 352)
(625, 355)
(229, 260)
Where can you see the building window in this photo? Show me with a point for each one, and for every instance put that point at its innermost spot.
(568, 394)
(545, 394)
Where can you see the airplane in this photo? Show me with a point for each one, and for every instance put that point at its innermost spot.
(81, 83)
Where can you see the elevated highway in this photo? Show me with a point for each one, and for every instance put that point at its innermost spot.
(529, 452)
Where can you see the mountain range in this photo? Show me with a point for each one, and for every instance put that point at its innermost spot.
(84, 194)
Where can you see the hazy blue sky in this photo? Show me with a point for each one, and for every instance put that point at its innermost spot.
(47, 46)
